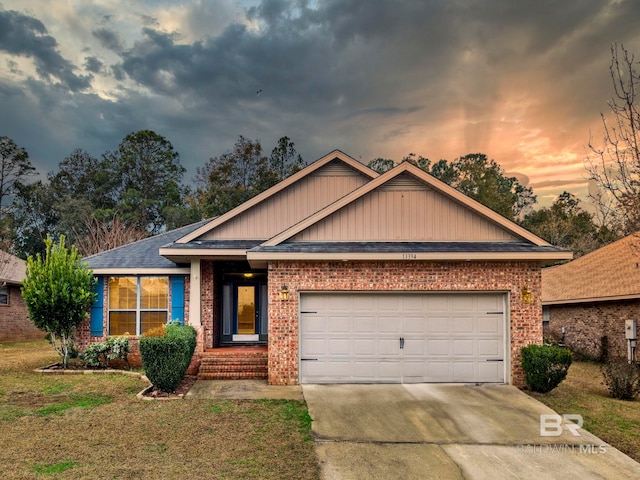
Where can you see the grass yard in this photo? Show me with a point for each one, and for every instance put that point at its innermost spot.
(617, 422)
(93, 426)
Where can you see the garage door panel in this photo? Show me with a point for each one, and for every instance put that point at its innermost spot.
(339, 346)
(463, 348)
(364, 325)
(448, 337)
(489, 348)
(364, 347)
(315, 346)
(489, 370)
(338, 324)
(438, 347)
(464, 325)
(438, 325)
(414, 325)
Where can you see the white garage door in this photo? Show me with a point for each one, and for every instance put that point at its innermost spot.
(402, 337)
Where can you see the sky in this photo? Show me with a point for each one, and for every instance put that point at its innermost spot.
(521, 81)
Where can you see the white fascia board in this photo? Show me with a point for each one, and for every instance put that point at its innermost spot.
(411, 256)
(202, 252)
(141, 271)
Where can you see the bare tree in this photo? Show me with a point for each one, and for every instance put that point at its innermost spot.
(614, 166)
(107, 234)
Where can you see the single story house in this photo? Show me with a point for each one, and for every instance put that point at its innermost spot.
(15, 325)
(338, 274)
(586, 301)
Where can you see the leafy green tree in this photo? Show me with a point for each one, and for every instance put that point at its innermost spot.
(34, 216)
(484, 180)
(283, 162)
(144, 180)
(567, 224)
(58, 291)
(232, 178)
(15, 169)
(381, 165)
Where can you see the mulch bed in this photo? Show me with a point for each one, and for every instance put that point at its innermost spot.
(185, 385)
(148, 393)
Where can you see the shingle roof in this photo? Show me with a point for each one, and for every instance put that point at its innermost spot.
(611, 272)
(12, 269)
(393, 247)
(143, 253)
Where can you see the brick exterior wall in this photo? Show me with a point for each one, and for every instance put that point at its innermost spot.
(15, 325)
(586, 324)
(83, 333)
(208, 300)
(525, 318)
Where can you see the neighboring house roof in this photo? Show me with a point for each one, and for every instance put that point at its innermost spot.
(609, 273)
(141, 256)
(12, 269)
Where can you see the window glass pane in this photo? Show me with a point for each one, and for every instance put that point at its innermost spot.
(155, 293)
(122, 292)
(4, 296)
(151, 320)
(122, 323)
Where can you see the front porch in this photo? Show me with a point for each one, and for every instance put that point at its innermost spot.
(234, 363)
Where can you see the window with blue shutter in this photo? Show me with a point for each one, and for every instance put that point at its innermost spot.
(97, 310)
(177, 298)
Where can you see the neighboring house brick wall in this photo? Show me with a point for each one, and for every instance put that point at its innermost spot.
(525, 319)
(15, 325)
(587, 323)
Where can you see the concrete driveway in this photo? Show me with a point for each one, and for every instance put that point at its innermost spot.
(437, 431)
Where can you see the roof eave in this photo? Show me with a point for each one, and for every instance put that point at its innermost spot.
(183, 255)
(140, 271)
(569, 301)
(254, 256)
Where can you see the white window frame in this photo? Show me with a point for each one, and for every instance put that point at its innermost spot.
(138, 309)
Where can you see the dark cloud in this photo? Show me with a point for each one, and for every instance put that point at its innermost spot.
(522, 82)
(93, 65)
(26, 36)
(109, 39)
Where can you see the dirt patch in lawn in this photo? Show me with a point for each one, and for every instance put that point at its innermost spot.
(617, 422)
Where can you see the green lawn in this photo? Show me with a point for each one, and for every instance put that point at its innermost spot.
(583, 392)
(93, 426)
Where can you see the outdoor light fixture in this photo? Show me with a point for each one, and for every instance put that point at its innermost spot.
(284, 292)
(526, 295)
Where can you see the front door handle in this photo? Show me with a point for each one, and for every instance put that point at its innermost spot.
(401, 343)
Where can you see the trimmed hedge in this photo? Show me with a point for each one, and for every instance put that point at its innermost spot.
(545, 366)
(166, 359)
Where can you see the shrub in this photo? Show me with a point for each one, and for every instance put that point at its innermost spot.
(99, 354)
(545, 366)
(156, 332)
(166, 359)
(622, 379)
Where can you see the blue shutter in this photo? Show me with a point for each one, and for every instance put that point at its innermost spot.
(177, 299)
(97, 310)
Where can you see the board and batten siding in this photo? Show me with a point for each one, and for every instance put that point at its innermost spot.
(404, 210)
(292, 204)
